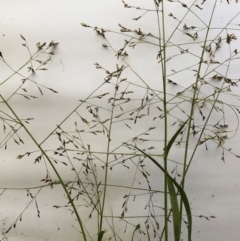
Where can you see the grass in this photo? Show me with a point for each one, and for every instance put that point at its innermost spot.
(117, 144)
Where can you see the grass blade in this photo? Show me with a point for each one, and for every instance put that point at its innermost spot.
(174, 138)
(181, 192)
(175, 211)
(100, 235)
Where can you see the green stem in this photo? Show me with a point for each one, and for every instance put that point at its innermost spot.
(53, 167)
(164, 60)
(106, 165)
(192, 110)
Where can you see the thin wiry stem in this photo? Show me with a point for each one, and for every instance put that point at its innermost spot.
(192, 110)
(52, 165)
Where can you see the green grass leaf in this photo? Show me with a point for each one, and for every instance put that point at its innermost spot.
(100, 235)
(181, 192)
(173, 194)
(175, 211)
(174, 138)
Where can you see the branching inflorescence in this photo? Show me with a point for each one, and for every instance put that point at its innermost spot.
(113, 140)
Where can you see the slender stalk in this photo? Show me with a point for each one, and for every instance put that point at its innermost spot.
(162, 47)
(107, 160)
(194, 98)
(192, 108)
(52, 165)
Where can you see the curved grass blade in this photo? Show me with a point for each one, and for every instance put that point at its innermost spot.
(174, 138)
(180, 190)
(173, 195)
(175, 211)
(100, 235)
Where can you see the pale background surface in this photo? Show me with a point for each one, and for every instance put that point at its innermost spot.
(212, 185)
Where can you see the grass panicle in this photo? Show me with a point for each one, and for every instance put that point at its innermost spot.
(117, 154)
